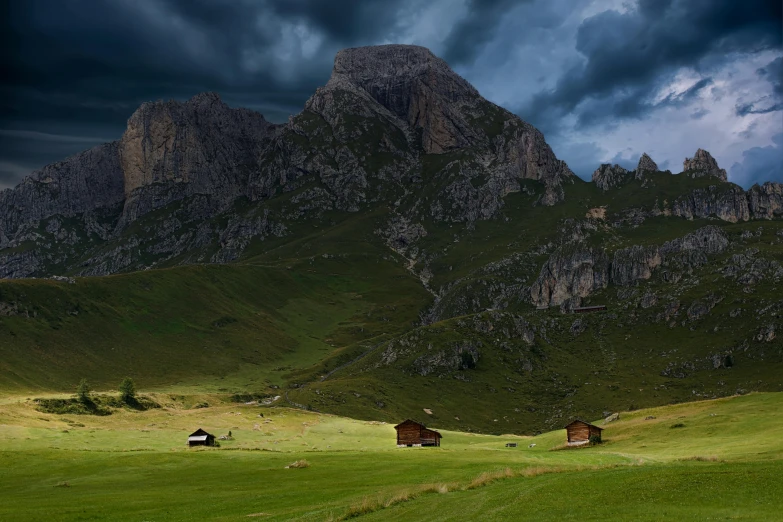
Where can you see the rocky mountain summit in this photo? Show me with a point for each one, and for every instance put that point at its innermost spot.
(394, 128)
(703, 164)
(646, 164)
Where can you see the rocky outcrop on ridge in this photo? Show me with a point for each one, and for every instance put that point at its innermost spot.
(730, 203)
(703, 164)
(576, 270)
(172, 150)
(437, 111)
(415, 86)
(88, 181)
(608, 176)
(646, 164)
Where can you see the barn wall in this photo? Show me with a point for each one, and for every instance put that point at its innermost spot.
(409, 434)
(578, 431)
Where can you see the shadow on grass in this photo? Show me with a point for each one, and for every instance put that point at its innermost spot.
(100, 405)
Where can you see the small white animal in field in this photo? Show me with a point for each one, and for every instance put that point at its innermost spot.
(532, 446)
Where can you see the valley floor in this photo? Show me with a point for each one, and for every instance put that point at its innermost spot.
(718, 459)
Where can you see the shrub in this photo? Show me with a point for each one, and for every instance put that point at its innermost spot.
(678, 425)
(83, 391)
(127, 390)
(595, 439)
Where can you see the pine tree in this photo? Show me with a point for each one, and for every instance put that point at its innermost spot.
(127, 389)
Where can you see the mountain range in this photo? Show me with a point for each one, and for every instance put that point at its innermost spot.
(451, 242)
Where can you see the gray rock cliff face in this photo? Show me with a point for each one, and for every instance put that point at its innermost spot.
(703, 164)
(766, 201)
(608, 176)
(438, 112)
(86, 181)
(417, 87)
(172, 150)
(576, 270)
(730, 203)
(646, 164)
(573, 271)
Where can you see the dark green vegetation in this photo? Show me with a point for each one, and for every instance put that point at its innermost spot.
(337, 317)
(135, 466)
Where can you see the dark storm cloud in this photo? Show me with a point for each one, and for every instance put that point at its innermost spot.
(627, 56)
(760, 164)
(476, 28)
(81, 67)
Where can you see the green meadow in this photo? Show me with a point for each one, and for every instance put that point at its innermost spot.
(709, 460)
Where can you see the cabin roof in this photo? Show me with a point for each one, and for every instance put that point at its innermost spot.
(199, 433)
(411, 421)
(583, 422)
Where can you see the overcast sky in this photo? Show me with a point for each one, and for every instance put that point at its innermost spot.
(605, 80)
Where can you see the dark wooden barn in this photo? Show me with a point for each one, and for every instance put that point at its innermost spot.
(201, 438)
(412, 433)
(579, 432)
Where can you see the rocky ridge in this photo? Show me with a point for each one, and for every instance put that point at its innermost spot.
(394, 126)
(703, 164)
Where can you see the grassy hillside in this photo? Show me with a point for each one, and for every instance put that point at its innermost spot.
(212, 327)
(722, 461)
(351, 318)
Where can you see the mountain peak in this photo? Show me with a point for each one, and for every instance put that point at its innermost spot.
(413, 86)
(646, 163)
(703, 164)
(373, 66)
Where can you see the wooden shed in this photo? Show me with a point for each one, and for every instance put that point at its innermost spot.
(412, 433)
(201, 438)
(579, 432)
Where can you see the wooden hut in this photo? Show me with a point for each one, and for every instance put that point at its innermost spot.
(201, 438)
(412, 433)
(579, 432)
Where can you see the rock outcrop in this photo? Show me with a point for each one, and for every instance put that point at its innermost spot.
(172, 150)
(572, 271)
(576, 271)
(415, 86)
(703, 164)
(766, 201)
(608, 176)
(87, 181)
(633, 264)
(730, 203)
(646, 164)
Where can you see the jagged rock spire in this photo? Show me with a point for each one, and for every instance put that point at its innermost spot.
(607, 176)
(703, 164)
(646, 163)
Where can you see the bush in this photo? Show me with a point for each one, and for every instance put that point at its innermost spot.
(127, 390)
(678, 425)
(595, 439)
(83, 391)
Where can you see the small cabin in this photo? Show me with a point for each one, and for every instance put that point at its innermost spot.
(201, 438)
(411, 433)
(579, 432)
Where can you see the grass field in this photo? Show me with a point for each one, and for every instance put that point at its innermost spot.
(722, 463)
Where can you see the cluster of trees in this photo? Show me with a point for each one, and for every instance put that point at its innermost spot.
(127, 390)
